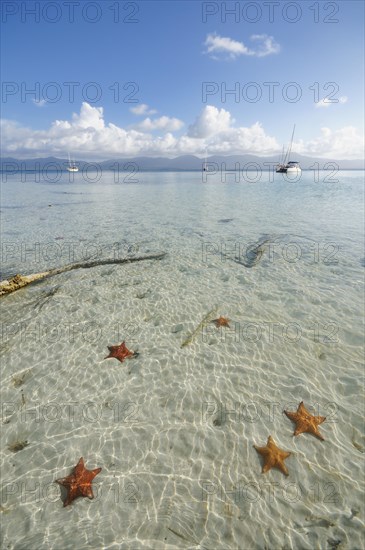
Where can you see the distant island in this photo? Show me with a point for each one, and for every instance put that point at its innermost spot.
(181, 163)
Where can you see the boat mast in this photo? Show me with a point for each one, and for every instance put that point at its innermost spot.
(287, 157)
(282, 156)
(205, 162)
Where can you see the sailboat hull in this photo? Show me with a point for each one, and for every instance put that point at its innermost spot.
(287, 166)
(71, 165)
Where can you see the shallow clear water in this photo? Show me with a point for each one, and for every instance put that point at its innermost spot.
(173, 429)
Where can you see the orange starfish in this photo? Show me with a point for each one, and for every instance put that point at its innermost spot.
(78, 484)
(305, 422)
(273, 457)
(120, 352)
(221, 322)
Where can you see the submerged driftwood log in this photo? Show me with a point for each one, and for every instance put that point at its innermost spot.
(20, 281)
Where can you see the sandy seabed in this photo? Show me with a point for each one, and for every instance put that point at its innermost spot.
(173, 429)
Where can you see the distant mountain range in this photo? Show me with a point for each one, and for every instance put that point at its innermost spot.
(182, 163)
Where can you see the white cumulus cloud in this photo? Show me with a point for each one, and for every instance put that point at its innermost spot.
(142, 109)
(325, 102)
(162, 123)
(90, 137)
(217, 45)
(266, 45)
(210, 121)
(344, 143)
(39, 102)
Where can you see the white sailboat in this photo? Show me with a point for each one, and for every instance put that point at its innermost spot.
(72, 165)
(287, 166)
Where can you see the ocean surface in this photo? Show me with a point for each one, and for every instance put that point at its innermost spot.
(173, 428)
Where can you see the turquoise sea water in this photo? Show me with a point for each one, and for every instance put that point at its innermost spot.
(173, 429)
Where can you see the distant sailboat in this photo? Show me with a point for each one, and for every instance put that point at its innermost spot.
(285, 165)
(206, 163)
(71, 165)
(205, 167)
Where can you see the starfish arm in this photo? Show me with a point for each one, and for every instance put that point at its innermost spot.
(286, 454)
(300, 428)
(282, 467)
(95, 472)
(262, 450)
(271, 444)
(221, 322)
(80, 466)
(87, 491)
(72, 493)
(307, 427)
(292, 415)
(266, 467)
(315, 431)
(320, 419)
(301, 409)
(65, 482)
(67, 501)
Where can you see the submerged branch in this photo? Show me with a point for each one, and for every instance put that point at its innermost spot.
(204, 322)
(254, 254)
(20, 281)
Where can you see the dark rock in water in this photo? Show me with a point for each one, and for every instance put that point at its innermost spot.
(218, 421)
(362, 262)
(334, 543)
(18, 446)
(227, 220)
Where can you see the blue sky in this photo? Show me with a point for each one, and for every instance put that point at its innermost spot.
(166, 57)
